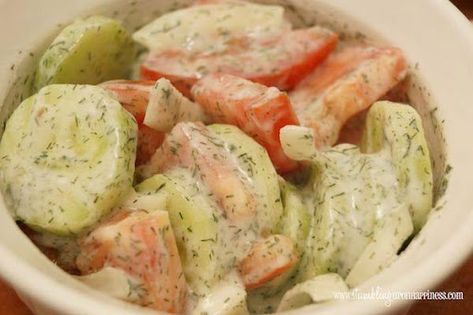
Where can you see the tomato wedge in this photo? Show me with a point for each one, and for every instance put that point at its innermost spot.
(281, 62)
(267, 259)
(258, 110)
(134, 97)
(347, 83)
(142, 245)
(132, 94)
(192, 146)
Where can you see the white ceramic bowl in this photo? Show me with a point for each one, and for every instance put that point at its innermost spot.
(438, 41)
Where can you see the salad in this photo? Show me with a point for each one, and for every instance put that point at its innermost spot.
(217, 160)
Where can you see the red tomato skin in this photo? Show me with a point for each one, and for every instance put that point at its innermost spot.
(256, 109)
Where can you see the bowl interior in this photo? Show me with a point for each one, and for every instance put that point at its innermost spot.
(436, 88)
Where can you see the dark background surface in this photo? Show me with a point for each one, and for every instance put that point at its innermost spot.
(462, 280)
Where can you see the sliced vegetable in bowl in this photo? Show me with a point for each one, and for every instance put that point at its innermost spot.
(397, 131)
(69, 150)
(360, 222)
(256, 109)
(206, 223)
(141, 244)
(280, 62)
(212, 28)
(347, 83)
(88, 51)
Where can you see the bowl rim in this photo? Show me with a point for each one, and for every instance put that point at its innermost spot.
(434, 268)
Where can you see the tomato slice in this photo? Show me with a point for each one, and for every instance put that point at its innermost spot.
(267, 259)
(192, 146)
(142, 245)
(134, 97)
(281, 62)
(347, 83)
(132, 94)
(258, 110)
(149, 140)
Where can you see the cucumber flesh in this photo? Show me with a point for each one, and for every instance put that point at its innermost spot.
(194, 220)
(254, 161)
(88, 51)
(354, 195)
(67, 158)
(396, 130)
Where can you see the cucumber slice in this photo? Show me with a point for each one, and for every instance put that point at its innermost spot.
(255, 162)
(195, 221)
(382, 250)
(396, 130)
(212, 27)
(67, 157)
(295, 223)
(354, 195)
(88, 51)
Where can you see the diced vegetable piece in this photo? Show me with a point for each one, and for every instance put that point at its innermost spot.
(396, 130)
(348, 82)
(134, 97)
(69, 151)
(195, 221)
(228, 297)
(167, 106)
(298, 142)
(319, 289)
(260, 111)
(141, 244)
(280, 62)
(267, 259)
(88, 51)
(212, 28)
(349, 213)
